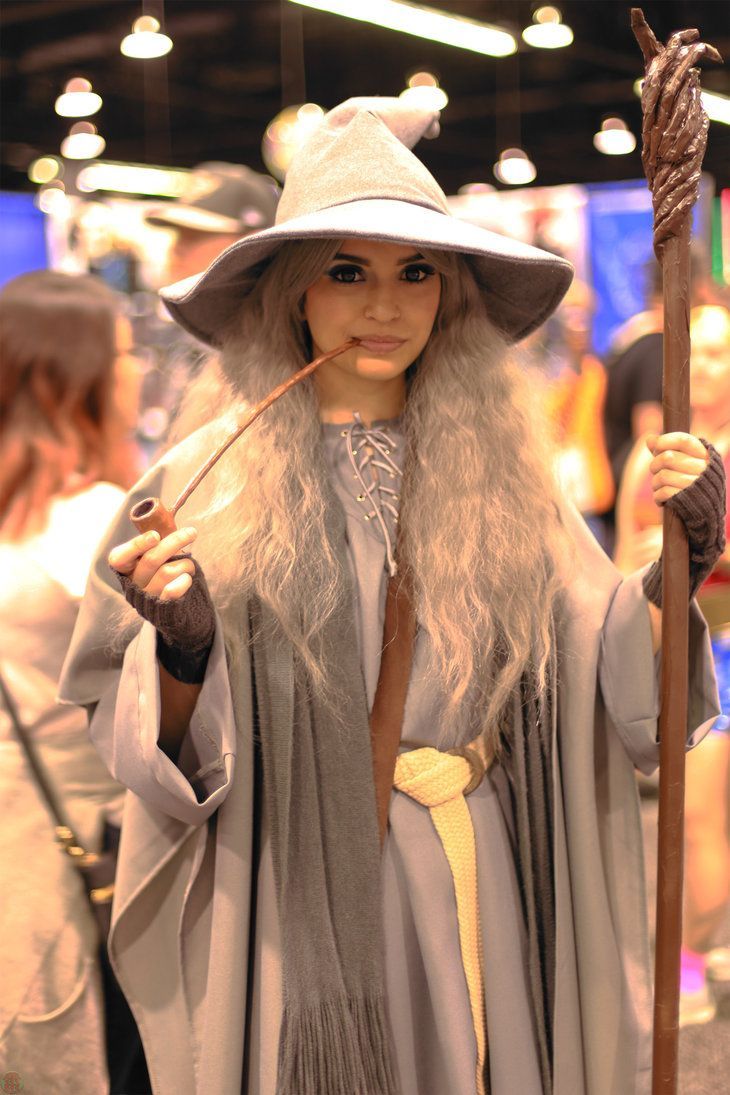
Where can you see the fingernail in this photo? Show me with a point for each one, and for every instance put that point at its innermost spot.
(190, 531)
(153, 536)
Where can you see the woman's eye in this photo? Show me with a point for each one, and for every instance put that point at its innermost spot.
(346, 274)
(418, 273)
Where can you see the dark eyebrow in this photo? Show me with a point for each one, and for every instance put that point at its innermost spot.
(365, 262)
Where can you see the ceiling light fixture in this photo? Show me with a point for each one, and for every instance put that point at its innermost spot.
(286, 133)
(716, 105)
(52, 199)
(44, 169)
(146, 41)
(77, 100)
(437, 26)
(515, 168)
(477, 188)
(423, 91)
(614, 138)
(130, 178)
(83, 142)
(547, 31)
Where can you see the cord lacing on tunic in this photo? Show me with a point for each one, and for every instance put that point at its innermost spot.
(370, 452)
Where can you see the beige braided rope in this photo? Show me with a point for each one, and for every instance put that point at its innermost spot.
(438, 781)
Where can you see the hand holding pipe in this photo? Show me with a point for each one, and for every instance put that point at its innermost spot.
(151, 515)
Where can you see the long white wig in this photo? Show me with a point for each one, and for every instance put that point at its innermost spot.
(480, 527)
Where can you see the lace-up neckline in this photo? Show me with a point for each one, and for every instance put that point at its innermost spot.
(373, 477)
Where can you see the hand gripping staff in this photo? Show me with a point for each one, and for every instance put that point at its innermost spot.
(674, 135)
(151, 515)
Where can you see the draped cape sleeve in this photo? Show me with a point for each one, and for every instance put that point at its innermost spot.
(182, 918)
(121, 684)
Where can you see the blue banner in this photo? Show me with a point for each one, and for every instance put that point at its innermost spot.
(22, 235)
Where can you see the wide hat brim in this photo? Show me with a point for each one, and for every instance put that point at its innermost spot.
(522, 284)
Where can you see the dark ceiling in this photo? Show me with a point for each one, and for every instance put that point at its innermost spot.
(236, 62)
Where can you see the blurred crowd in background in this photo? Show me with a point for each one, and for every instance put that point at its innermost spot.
(92, 372)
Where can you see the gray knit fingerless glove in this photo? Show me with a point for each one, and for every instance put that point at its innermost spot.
(701, 509)
(185, 628)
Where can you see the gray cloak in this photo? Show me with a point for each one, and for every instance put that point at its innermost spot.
(200, 961)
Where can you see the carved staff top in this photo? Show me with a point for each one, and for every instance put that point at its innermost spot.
(675, 124)
(675, 134)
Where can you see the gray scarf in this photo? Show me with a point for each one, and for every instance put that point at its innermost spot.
(320, 800)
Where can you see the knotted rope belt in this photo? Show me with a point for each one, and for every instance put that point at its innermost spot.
(436, 780)
(440, 782)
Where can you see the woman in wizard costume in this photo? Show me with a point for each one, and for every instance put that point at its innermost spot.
(266, 940)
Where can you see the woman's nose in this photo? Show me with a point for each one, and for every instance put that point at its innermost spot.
(381, 304)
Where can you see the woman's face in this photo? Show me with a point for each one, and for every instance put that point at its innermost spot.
(384, 294)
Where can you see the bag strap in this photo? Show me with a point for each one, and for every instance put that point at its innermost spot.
(386, 718)
(65, 834)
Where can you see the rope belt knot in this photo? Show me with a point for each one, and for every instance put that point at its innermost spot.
(439, 781)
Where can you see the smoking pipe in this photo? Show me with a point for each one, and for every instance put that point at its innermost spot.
(151, 515)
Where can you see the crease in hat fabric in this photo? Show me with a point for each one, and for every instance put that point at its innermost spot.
(393, 172)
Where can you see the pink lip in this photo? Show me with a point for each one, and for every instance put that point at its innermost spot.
(384, 345)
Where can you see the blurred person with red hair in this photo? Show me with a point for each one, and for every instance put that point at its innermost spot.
(68, 404)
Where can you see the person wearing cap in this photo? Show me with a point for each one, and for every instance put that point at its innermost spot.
(221, 203)
(391, 514)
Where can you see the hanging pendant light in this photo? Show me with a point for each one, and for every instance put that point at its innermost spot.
(77, 100)
(614, 138)
(547, 30)
(83, 142)
(423, 91)
(52, 200)
(515, 168)
(146, 41)
(286, 133)
(44, 169)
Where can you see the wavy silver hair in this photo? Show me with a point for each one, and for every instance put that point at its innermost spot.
(480, 527)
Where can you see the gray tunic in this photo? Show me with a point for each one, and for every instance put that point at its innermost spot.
(427, 996)
(426, 988)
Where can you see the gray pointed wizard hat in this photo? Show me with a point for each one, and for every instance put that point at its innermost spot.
(356, 177)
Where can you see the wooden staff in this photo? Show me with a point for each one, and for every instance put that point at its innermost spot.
(151, 515)
(674, 140)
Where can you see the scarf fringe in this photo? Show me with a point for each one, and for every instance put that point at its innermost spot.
(336, 1047)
